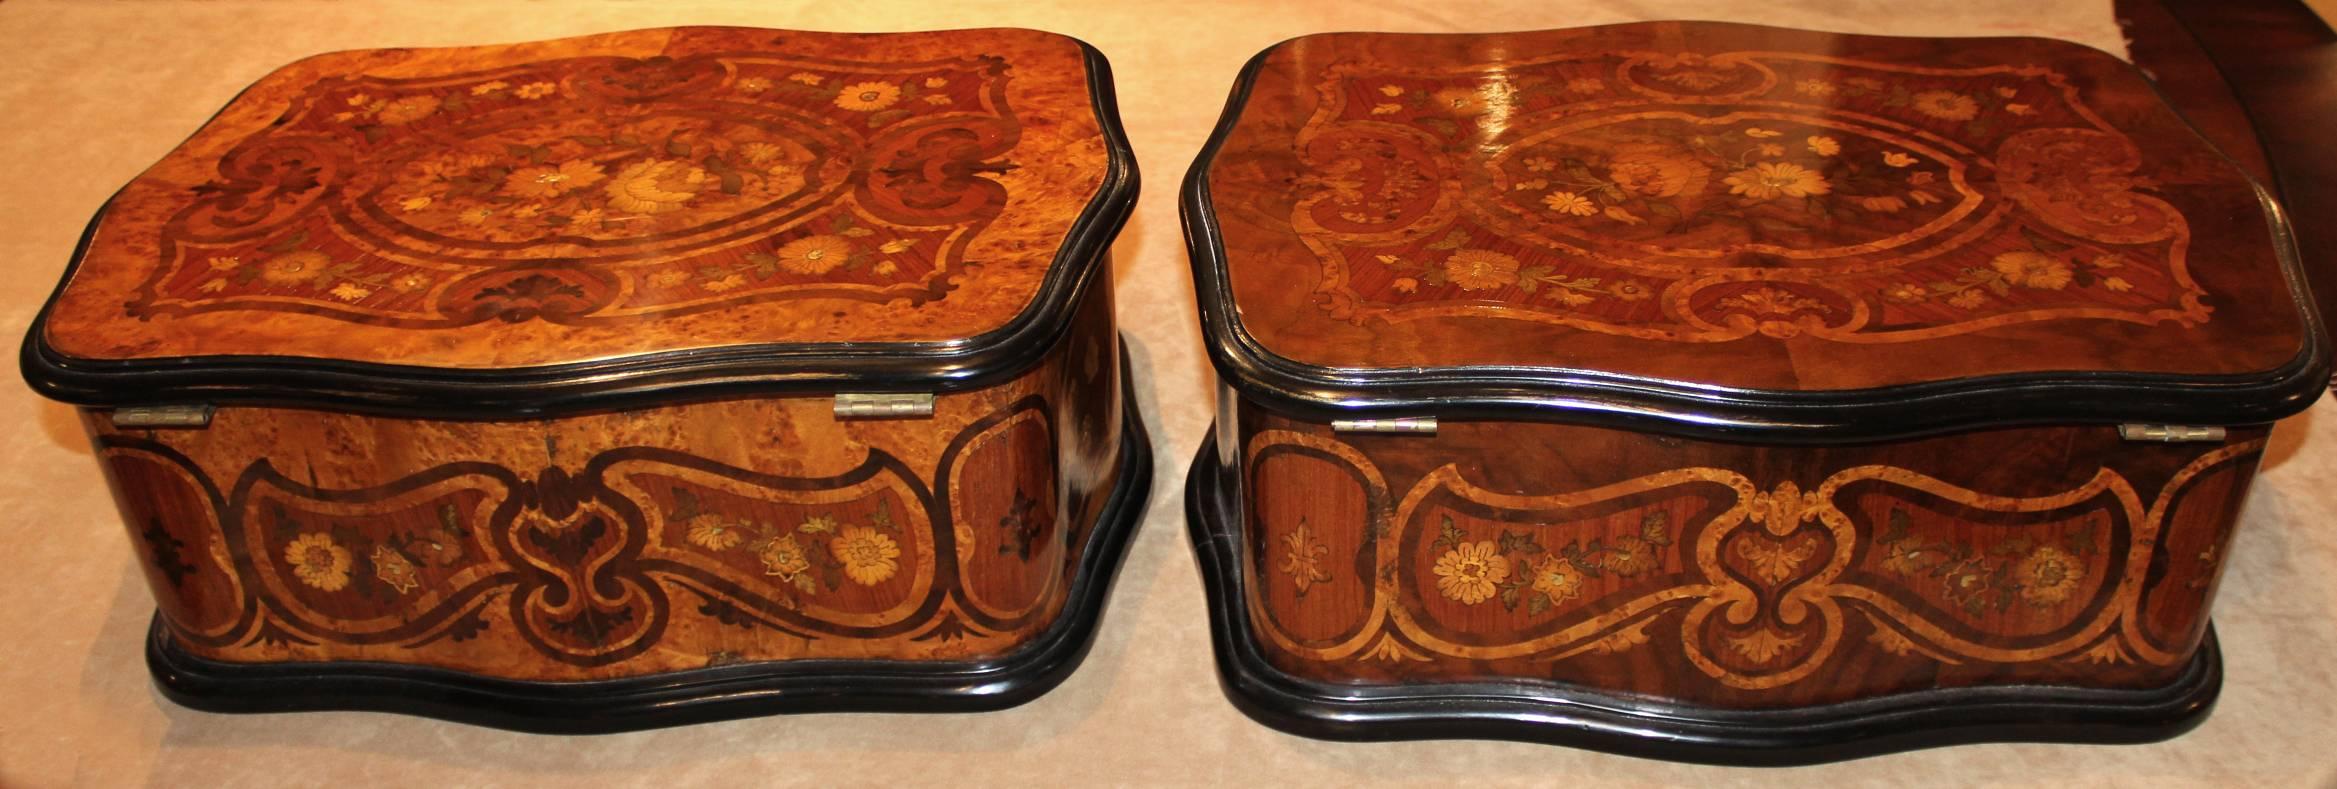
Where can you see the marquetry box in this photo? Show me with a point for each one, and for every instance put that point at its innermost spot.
(619, 381)
(1727, 393)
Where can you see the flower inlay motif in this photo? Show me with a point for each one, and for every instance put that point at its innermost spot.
(1705, 197)
(598, 189)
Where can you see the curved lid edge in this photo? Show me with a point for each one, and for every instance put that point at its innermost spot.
(1794, 417)
(523, 392)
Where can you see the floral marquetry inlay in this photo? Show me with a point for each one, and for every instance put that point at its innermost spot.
(1626, 197)
(803, 187)
(595, 188)
(1753, 583)
(1703, 196)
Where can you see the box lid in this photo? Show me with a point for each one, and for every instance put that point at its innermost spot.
(1730, 230)
(507, 230)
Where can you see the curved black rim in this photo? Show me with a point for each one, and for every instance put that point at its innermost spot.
(1637, 402)
(1547, 712)
(701, 695)
(664, 377)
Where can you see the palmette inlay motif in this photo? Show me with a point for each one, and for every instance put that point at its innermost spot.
(1755, 584)
(1704, 197)
(598, 189)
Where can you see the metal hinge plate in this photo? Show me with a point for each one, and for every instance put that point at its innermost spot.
(887, 405)
(1424, 425)
(2169, 433)
(163, 416)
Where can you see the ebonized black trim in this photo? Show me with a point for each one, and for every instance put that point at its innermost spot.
(696, 696)
(662, 378)
(1552, 713)
(1686, 408)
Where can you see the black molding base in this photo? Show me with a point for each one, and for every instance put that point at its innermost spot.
(1559, 714)
(701, 695)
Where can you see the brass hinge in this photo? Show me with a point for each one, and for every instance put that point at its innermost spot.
(1407, 424)
(2169, 433)
(884, 406)
(163, 416)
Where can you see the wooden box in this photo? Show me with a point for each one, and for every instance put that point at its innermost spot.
(1727, 393)
(620, 381)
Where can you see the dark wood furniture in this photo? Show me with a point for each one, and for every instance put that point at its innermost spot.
(2273, 62)
(1727, 393)
(619, 381)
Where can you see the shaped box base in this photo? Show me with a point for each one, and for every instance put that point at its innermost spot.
(1547, 712)
(696, 696)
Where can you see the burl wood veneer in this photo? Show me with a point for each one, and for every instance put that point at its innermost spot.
(618, 381)
(1727, 393)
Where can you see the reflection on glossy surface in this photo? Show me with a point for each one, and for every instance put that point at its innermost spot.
(1692, 200)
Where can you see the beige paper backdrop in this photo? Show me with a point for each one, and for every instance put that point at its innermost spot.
(90, 93)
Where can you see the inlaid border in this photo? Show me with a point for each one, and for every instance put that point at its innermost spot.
(1565, 715)
(700, 695)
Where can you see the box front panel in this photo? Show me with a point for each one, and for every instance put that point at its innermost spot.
(633, 542)
(1733, 576)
